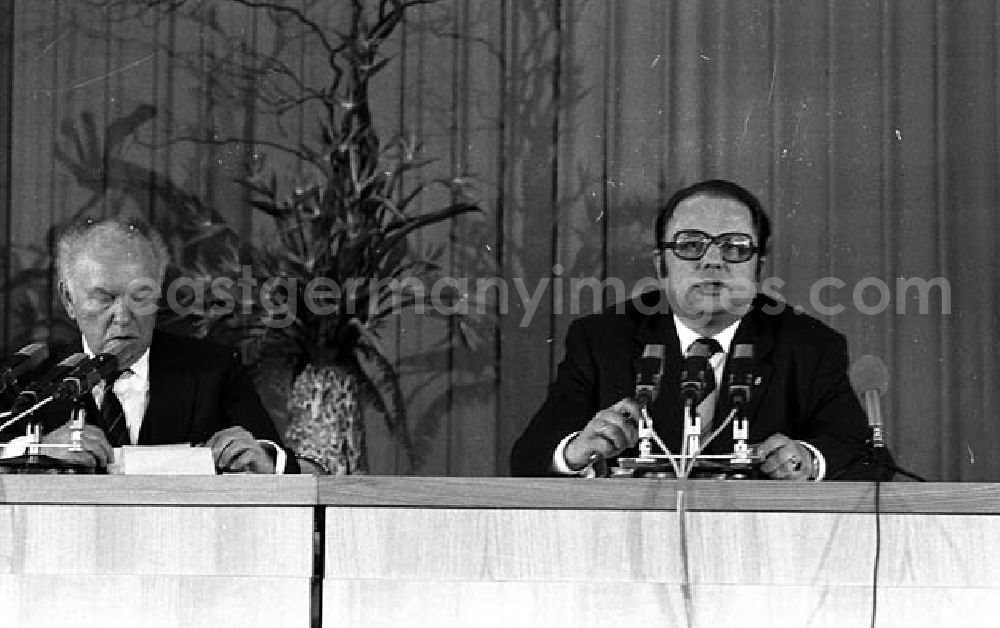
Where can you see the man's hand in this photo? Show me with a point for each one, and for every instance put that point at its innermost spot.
(97, 451)
(236, 450)
(610, 431)
(786, 459)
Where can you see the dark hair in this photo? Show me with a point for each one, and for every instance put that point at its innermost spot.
(718, 188)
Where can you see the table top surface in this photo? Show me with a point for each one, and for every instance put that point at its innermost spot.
(517, 493)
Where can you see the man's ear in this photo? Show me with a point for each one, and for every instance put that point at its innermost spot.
(67, 299)
(660, 265)
(760, 266)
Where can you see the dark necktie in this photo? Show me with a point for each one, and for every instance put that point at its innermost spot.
(113, 415)
(706, 409)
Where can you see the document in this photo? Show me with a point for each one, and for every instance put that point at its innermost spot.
(162, 460)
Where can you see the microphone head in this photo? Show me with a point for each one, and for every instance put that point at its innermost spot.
(101, 366)
(741, 374)
(654, 351)
(105, 364)
(648, 371)
(743, 352)
(700, 350)
(40, 388)
(649, 367)
(64, 366)
(73, 360)
(36, 352)
(24, 360)
(869, 372)
(695, 382)
(697, 376)
(87, 375)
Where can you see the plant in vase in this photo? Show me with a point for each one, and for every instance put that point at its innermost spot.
(336, 270)
(321, 291)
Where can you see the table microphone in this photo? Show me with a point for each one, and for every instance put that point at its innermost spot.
(648, 372)
(740, 381)
(85, 376)
(23, 361)
(45, 385)
(697, 378)
(871, 379)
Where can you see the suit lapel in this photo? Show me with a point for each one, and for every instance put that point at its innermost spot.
(171, 399)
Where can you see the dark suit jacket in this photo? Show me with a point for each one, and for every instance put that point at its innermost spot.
(196, 388)
(804, 391)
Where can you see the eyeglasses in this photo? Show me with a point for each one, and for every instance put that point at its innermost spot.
(692, 245)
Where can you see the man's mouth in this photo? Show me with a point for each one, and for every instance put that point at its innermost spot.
(117, 342)
(711, 286)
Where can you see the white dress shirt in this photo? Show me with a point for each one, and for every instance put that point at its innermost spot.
(132, 389)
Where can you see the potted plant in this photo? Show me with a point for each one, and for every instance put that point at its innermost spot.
(339, 256)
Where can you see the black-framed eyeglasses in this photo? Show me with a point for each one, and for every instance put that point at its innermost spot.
(691, 245)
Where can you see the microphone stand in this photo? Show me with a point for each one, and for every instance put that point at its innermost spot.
(875, 454)
(35, 462)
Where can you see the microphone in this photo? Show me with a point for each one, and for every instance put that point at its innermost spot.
(85, 376)
(697, 378)
(740, 380)
(24, 360)
(740, 383)
(648, 371)
(871, 379)
(45, 386)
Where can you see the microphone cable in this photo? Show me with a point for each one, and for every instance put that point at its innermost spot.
(681, 508)
(708, 441)
(878, 550)
(686, 593)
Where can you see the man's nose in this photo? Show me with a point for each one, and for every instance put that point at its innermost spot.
(122, 313)
(713, 256)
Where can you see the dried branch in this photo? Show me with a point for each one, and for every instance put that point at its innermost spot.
(298, 15)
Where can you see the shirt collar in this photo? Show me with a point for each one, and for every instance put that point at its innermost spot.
(686, 335)
(140, 369)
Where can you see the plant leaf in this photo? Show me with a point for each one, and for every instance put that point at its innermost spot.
(402, 229)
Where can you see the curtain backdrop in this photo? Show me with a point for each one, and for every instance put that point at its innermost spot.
(868, 129)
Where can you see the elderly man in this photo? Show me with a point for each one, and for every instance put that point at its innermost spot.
(168, 389)
(711, 242)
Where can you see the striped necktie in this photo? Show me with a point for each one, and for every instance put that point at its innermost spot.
(706, 409)
(113, 415)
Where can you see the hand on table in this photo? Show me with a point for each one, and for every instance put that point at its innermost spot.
(97, 451)
(611, 431)
(786, 459)
(236, 450)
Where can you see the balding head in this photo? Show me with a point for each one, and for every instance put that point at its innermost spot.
(110, 273)
(133, 237)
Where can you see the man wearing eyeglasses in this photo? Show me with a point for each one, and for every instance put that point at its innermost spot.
(711, 242)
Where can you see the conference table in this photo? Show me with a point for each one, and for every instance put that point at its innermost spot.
(414, 551)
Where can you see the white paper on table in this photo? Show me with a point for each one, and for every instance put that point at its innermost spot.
(163, 460)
